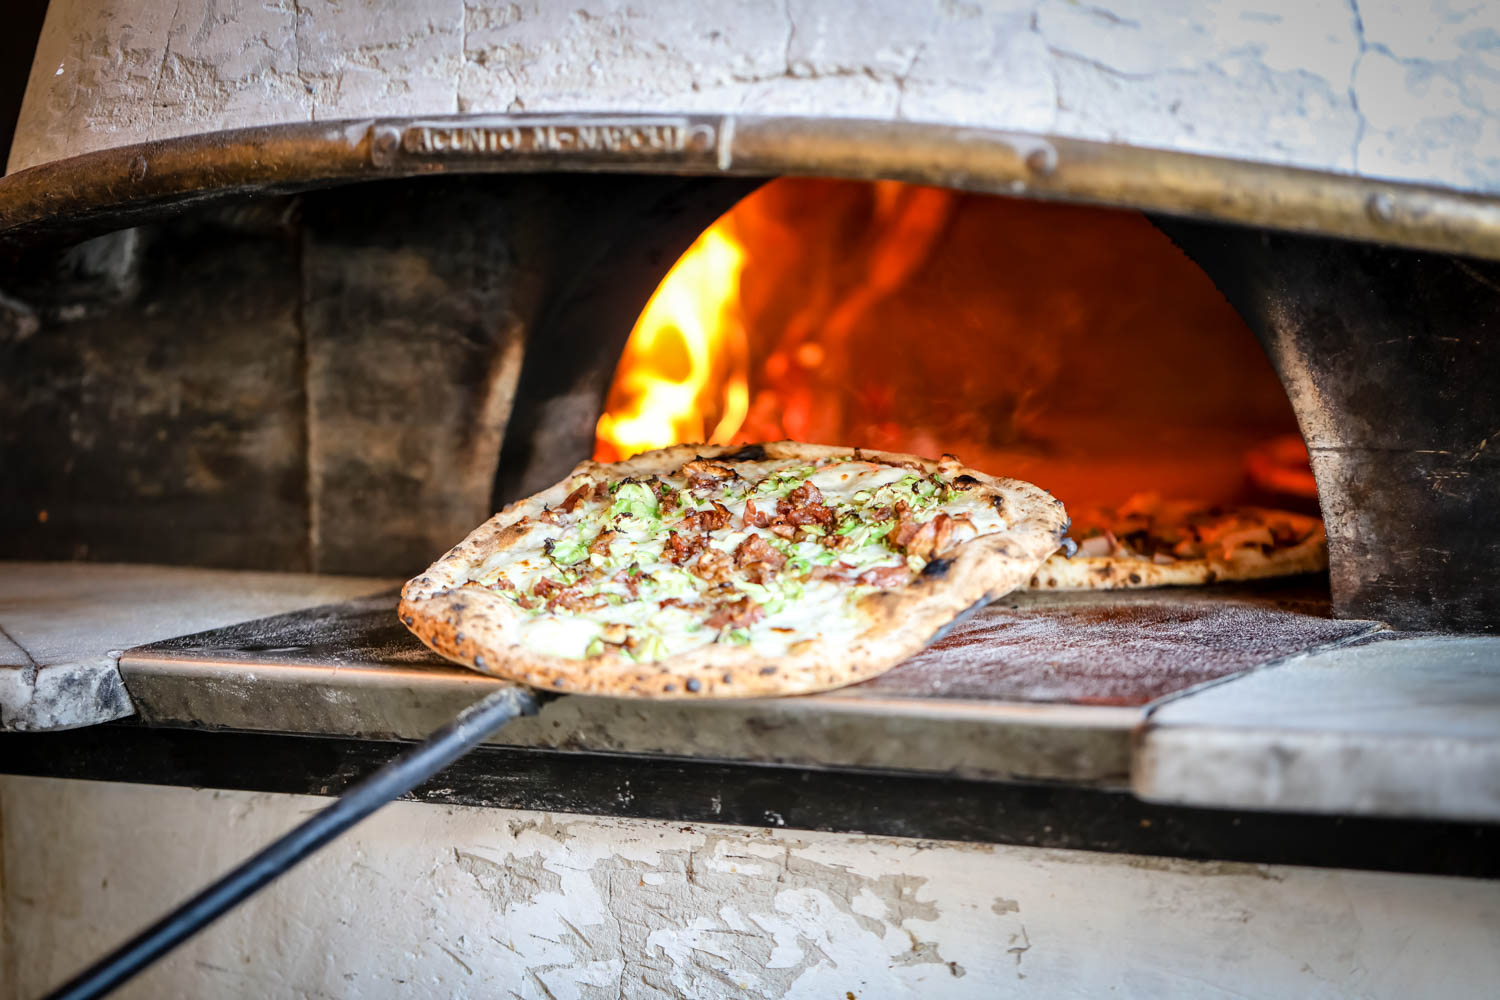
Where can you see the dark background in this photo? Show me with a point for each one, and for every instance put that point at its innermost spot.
(23, 23)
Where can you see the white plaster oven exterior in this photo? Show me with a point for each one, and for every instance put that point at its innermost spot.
(446, 901)
(1377, 88)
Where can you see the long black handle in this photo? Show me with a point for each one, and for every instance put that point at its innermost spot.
(397, 778)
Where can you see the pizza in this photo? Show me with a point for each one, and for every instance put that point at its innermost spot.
(1149, 542)
(712, 571)
(1282, 467)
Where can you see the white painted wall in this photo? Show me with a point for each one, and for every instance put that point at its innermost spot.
(1405, 89)
(431, 901)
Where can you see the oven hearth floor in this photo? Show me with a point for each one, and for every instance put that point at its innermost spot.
(1227, 696)
(1037, 685)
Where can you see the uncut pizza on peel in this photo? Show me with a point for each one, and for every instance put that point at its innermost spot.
(709, 571)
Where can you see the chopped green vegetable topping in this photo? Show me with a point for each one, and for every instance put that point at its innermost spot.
(767, 597)
(779, 484)
(675, 583)
(758, 592)
(636, 500)
(862, 533)
(569, 551)
(652, 647)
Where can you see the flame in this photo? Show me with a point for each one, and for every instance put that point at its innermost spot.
(686, 362)
(916, 319)
(685, 373)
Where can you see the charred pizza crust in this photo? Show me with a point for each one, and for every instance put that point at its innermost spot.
(477, 628)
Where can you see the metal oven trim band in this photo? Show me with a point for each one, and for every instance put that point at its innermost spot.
(95, 192)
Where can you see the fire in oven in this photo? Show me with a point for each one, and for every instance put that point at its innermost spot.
(780, 483)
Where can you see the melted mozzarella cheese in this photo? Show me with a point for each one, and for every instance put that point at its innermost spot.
(795, 607)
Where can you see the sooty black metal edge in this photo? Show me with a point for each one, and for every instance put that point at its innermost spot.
(884, 803)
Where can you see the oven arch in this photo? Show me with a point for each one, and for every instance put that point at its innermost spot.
(1360, 323)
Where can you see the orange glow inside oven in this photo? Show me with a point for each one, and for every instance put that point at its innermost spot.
(1075, 347)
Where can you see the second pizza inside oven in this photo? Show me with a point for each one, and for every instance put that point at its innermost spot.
(1077, 348)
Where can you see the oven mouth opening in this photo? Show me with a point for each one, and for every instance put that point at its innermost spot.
(1074, 347)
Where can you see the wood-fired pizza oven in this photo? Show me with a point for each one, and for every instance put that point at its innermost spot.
(336, 344)
(334, 349)
(315, 288)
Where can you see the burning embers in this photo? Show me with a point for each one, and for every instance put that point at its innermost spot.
(686, 371)
(1073, 347)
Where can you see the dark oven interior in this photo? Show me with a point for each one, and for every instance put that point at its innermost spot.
(347, 380)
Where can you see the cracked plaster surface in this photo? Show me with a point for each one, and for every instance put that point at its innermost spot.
(434, 901)
(1388, 88)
